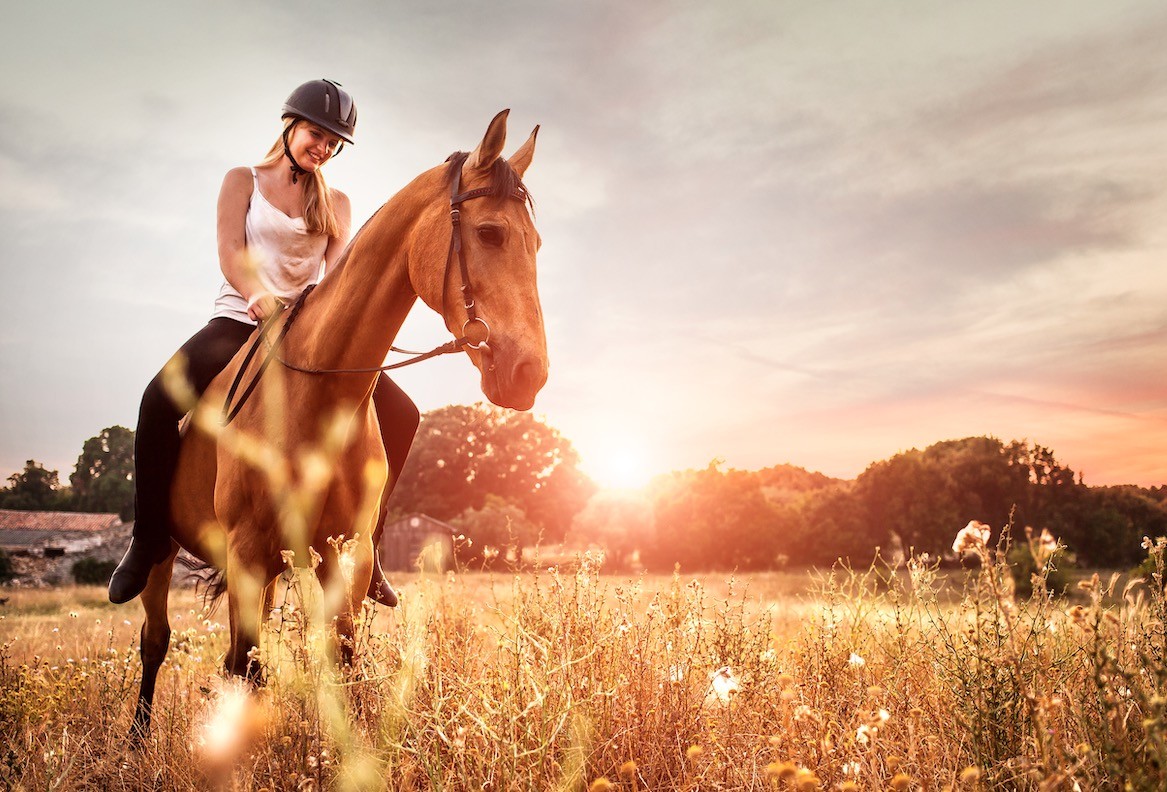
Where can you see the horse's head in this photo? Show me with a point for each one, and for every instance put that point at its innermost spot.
(504, 322)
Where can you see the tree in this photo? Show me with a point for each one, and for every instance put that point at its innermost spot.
(711, 519)
(463, 454)
(497, 530)
(619, 522)
(829, 525)
(34, 489)
(103, 479)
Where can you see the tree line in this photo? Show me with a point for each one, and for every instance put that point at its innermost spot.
(508, 481)
(102, 481)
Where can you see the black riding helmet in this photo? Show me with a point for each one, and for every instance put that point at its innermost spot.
(326, 104)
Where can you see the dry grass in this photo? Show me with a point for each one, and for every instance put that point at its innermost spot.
(575, 681)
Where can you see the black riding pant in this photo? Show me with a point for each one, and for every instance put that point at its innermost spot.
(156, 442)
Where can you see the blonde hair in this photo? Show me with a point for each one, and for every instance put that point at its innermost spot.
(319, 213)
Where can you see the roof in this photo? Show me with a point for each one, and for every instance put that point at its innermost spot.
(56, 522)
(416, 522)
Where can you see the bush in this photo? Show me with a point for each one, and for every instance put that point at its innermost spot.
(92, 571)
(6, 571)
(1023, 568)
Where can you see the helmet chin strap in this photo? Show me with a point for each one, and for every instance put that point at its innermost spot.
(295, 167)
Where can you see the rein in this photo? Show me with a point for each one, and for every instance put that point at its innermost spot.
(456, 345)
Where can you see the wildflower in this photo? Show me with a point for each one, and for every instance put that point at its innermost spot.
(969, 775)
(628, 770)
(601, 784)
(782, 771)
(724, 685)
(973, 537)
(693, 752)
(848, 786)
(883, 716)
(803, 712)
(852, 769)
(864, 734)
(900, 782)
(805, 780)
(1043, 547)
(856, 661)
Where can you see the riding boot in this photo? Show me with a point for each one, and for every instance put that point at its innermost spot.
(379, 588)
(131, 575)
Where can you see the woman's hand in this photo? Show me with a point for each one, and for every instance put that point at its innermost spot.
(263, 304)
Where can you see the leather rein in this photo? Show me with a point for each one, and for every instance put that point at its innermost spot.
(457, 198)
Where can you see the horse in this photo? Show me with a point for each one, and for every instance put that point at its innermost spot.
(460, 237)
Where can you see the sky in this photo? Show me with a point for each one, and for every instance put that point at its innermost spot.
(773, 232)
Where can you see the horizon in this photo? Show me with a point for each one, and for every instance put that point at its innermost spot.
(773, 232)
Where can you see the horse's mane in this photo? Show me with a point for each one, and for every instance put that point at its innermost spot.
(503, 181)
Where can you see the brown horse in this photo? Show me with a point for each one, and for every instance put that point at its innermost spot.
(303, 460)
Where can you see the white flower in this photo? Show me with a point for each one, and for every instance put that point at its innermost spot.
(856, 661)
(724, 685)
(973, 537)
(864, 734)
(852, 769)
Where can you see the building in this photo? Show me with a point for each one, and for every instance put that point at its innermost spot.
(404, 540)
(55, 534)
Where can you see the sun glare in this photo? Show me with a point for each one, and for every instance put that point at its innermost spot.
(618, 464)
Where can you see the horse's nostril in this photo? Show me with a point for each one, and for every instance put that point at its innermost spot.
(530, 375)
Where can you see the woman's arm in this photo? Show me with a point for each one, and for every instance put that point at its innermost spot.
(238, 268)
(344, 216)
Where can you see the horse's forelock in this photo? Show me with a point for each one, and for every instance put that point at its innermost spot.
(504, 180)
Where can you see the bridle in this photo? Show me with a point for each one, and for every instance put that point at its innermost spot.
(457, 198)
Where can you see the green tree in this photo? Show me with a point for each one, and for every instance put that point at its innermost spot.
(619, 522)
(103, 479)
(829, 525)
(34, 489)
(497, 531)
(463, 454)
(711, 519)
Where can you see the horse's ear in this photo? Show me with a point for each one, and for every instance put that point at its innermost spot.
(522, 158)
(491, 146)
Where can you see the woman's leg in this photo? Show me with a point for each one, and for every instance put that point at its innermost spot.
(398, 417)
(156, 445)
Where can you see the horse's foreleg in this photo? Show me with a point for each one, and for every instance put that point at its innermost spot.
(344, 594)
(245, 597)
(155, 642)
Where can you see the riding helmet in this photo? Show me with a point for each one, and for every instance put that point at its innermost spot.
(325, 103)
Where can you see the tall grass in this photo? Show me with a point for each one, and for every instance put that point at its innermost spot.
(875, 679)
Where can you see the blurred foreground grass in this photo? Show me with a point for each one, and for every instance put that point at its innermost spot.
(575, 680)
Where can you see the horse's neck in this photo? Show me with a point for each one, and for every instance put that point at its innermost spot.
(352, 318)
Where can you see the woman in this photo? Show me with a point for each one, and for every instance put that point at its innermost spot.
(279, 227)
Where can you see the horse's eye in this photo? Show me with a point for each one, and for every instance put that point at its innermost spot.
(490, 235)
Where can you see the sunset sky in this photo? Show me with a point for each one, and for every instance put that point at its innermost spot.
(805, 232)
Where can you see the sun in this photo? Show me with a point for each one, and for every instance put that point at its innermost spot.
(618, 463)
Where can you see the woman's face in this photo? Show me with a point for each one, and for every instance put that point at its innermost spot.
(312, 145)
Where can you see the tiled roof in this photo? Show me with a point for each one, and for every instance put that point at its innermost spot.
(55, 522)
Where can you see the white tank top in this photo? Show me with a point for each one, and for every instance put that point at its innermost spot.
(288, 256)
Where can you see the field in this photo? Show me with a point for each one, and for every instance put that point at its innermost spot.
(566, 679)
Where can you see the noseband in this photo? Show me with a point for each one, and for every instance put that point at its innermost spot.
(457, 198)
